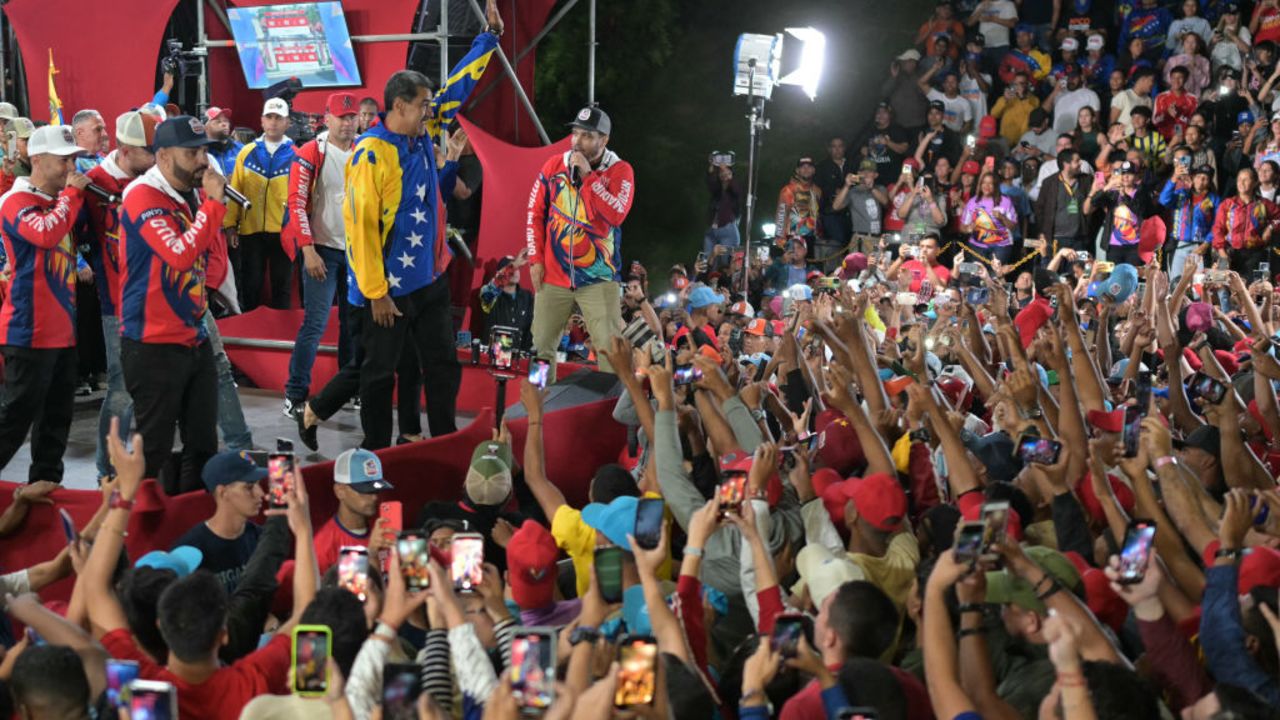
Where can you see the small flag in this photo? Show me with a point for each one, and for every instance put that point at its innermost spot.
(55, 105)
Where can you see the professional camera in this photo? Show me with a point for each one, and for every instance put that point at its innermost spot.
(182, 63)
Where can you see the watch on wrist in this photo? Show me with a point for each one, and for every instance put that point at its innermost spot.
(118, 502)
(1033, 414)
(1232, 553)
(584, 633)
(920, 435)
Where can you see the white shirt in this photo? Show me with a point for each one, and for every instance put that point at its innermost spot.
(326, 212)
(995, 34)
(956, 110)
(971, 91)
(1226, 53)
(1067, 107)
(1125, 102)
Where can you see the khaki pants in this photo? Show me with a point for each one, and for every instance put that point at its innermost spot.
(552, 305)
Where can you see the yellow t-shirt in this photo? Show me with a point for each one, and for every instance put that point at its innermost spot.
(578, 539)
(896, 570)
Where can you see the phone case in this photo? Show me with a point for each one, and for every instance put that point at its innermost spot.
(311, 664)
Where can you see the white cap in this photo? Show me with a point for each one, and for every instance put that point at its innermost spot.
(911, 54)
(8, 111)
(53, 140)
(1095, 42)
(1070, 43)
(823, 573)
(276, 106)
(136, 129)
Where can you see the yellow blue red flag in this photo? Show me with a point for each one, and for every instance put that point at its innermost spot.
(55, 105)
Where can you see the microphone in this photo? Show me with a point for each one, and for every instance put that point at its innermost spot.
(102, 194)
(460, 248)
(574, 177)
(235, 196)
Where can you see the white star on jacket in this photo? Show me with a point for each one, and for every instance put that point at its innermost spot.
(406, 260)
(419, 215)
(421, 192)
(393, 282)
(415, 240)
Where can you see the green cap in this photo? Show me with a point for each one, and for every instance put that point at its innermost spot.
(1004, 588)
(489, 477)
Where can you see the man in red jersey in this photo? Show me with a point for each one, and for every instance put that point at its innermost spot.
(168, 226)
(38, 318)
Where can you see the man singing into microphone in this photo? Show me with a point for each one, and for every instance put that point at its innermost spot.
(575, 250)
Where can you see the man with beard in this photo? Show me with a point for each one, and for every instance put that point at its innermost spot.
(168, 226)
(217, 124)
(37, 320)
(798, 205)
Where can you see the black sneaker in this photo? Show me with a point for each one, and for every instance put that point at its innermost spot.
(292, 408)
(307, 434)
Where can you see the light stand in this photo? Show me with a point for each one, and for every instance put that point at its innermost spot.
(757, 124)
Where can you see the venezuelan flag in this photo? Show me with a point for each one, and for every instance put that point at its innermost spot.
(55, 105)
(462, 80)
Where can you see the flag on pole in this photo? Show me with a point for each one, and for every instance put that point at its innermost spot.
(55, 105)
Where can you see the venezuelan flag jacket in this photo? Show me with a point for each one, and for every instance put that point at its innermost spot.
(164, 248)
(263, 178)
(40, 286)
(573, 231)
(100, 230)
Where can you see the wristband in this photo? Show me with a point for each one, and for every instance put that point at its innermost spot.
(966, 632)
(1232, 553)
(1071, 679)
(970, 607)
(1165, 460)
(118, 502)
(694, 551)
(1053, 589)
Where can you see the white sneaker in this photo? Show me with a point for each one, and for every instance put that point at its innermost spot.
(291, 410)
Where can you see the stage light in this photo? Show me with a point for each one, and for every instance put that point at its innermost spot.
(812, 57)
(769, 229)
(756, 62)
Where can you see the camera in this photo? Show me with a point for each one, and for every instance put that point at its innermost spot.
(726, 159)
(182, 63)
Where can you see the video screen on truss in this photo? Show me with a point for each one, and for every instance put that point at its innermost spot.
(308, 41)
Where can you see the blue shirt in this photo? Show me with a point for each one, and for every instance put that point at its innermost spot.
(1222, 636)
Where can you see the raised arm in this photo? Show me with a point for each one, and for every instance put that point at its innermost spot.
(549, 497)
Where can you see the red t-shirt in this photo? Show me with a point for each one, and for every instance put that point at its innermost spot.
(808, 702)
(1269, 26)
(227, 691)
(919, 274)
(331, 538)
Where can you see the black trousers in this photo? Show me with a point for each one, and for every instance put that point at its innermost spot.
(426, 324)
(1124, 254)
(173, 385)
(258, 251)
(39, 395)
(1245, 262)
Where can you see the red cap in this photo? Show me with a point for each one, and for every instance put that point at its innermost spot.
(1107, 421)
(217, 112)
(823, 480)
(736, 462)
(758, 326)
(970, 167)
(1089, 500)
(681, 282)
(1259, 568)
(912, 163)
(1150, 236)
(1030, 319)
(956, 391)
(341, 104)
(987, 127)
(779, 327)
(878, 498)
(1227, 360)
(1192, 359)
(897, 385)
(1103, 602)
(970, 505)
(839, 447)
(531, 566)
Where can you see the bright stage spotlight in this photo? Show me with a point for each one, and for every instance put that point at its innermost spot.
(813, 53)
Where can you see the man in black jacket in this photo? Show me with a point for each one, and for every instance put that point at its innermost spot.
(1060, 207)
(506, 303)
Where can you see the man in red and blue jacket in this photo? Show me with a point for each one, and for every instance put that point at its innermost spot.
(168, 227)
(38, 318)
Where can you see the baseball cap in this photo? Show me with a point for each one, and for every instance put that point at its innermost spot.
(340, 104)
(878, 498)
(230, 466)
(743, 308)
(593, 119)
(8, 111)
(22, 127)
(987, 127)
(1122, 282)
(705, 297)
(615, 521)
(1112, 421)
(53, 140)
(805, 160)
(361, 470)
(937, 105)
(489, 477)
(995, 452)
(1004, 588)
(823, 572)
(182, 560)
(854, 263)
(1204, 170)
(276, 106)
(1070, 44)
(839, 447)
(1205, 437)
(1024, 28)
(1030, 319)
(1199, 317)
(758, 326)
(867, 164)
(136, 129)
(1243, 117)
(1095, 42)
(181, 131)
(531, 566)
(911, 54)
(970, 167)
(217, 112)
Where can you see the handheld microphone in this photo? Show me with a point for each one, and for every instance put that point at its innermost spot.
(460, 248)
(574, 177)
(235, 196)
(102, 194)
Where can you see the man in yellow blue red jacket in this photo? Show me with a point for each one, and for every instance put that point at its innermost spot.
(396, 248)
(261, 174)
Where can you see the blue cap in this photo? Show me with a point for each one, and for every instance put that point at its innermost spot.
(616, 520)
(886, 374)
(231, 466)
(182, 560)
(1024, 28)
(361, 470)
(800, 291)
(1244, 117)
(704, 297)
(635, 611)
(1121, 284)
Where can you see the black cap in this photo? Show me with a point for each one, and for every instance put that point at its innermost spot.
(1127, 167)
(181, 131)
(937, 105)
(1205, 170)
(593, 119)
(1205, 437)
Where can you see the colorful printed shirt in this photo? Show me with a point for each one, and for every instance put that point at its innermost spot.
(1097, 71)
(1032, 62)
(573, 232)
(39, 308)
(1125, 215)
(1151, 25)
(1239, 225)
(164, 247)
(798, 205)
(101, 232)
(989, 230)
(1192, 215)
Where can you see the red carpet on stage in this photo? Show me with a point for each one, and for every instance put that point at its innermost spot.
(421, 472)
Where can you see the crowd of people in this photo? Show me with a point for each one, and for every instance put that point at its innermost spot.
(997, 440)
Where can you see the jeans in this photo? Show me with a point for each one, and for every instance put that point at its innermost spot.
(727, 235)
(235, 431)
(317, 299)
(38, 395)
(1180, 259)
(1003, 253)
(117, 402)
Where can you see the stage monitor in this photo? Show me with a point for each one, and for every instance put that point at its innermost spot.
(308, 41)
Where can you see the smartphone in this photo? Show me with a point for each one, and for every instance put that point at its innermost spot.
(502, 344)
(702, 257)
(1143, 389)
(1216, 277)
(1035, 449)
(1133, 415)
(312, 645)
(119, 674)
(280, 466)
(732, 492)
(1261, 519)
(637, 671)
(152, 700)
(686, 375)
(401, 687)
(68, 526)
(1135, 554)
(463, 339)
(968, 269)
(608, 562)
(977, 296)
(539, 370)
(353, 570)
(467, 564)
(1263, 272)
(995, 521)
(1209, 388)
(649, 515)
(414, 557)
(968, 543)
(533, 669)
(1104, 266)
(971, 141)
(788, 628)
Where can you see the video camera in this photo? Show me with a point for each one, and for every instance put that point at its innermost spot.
(182, 63)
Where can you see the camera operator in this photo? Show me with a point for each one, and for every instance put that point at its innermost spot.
(225, 149)
(726, 203)
(507, 304)
(862, 200)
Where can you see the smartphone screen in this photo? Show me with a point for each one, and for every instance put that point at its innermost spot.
(1136, 551)
(310, 659)
(533, 670)
(637, 671)
(1132, 426)
(152, 700)
(732, 493)
(411, 550)
(995, 519)
(467, 564)
(1143, 390)
(68, 525)
(353, 571)
(119, 674)
(686, 375)
(401, 686)
(1034, 449)
(279, 466)
(539, 370)
(978, 296)
(393, 511)
(608, 562)
(649, 513)
(1210, 389)
(503, 346)
(788, 628)
(968, 543)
